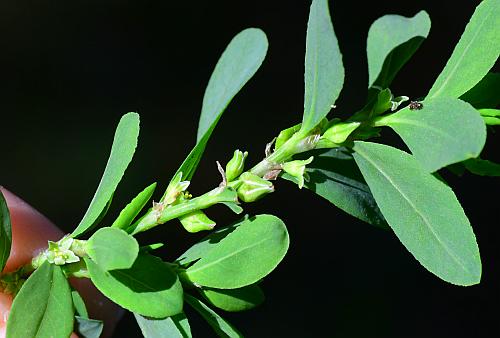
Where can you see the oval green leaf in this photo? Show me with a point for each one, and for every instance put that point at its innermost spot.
(171, 327)
(423, 212)
(244, 256)
(443, 132)
(239, 62)
(149, 287)
(201, 248)
(221, 326)
(392, 40)
(234, 300)
(5, 232)
(335, 176)
(324, 72)
(122, 151)
(474, 55)
(112, 249)
(130, 212)
(43, 307)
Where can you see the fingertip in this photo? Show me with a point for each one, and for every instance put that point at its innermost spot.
(30, 231)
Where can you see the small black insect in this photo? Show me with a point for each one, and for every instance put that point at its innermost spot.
(415, 105)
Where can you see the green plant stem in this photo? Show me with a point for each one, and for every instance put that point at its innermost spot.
(297, 144)
(160, 213)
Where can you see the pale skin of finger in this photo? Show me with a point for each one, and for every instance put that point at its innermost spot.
(30, 233)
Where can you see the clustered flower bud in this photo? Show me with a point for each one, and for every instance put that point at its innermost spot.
(174, 189)
(235, 166)
(297, 169)
(253, 187)
(60, 253)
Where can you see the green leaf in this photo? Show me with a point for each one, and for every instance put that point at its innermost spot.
(122, 151)
(334, 176)
(239, 62)
(474, 55)
(244, 256)
(150, 247)
(222, 327)
(443, 132)
(43, 307)
(130, 212)
(234, 300)
(392, 40)
(491, 121)
(485, 93)
(88, 328)
(201, 248)
(481, 167)
(324, 72)
(490, 116)
(171, 327)
(149, 287)
(5, 232)
(112, 249)
(423, 212)
(489, 112)
(79, 304)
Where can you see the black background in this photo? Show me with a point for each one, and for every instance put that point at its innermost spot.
(70, 69)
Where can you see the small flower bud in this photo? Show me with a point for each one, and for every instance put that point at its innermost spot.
(196, 221)
(253, 187)
(175, 187)
(235, 166)
(339, 132)
(297, 169)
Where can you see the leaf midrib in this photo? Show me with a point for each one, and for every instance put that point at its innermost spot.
(234, 253)
(424, 219)
(398, 120)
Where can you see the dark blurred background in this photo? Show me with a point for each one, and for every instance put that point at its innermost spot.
(70, 69)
